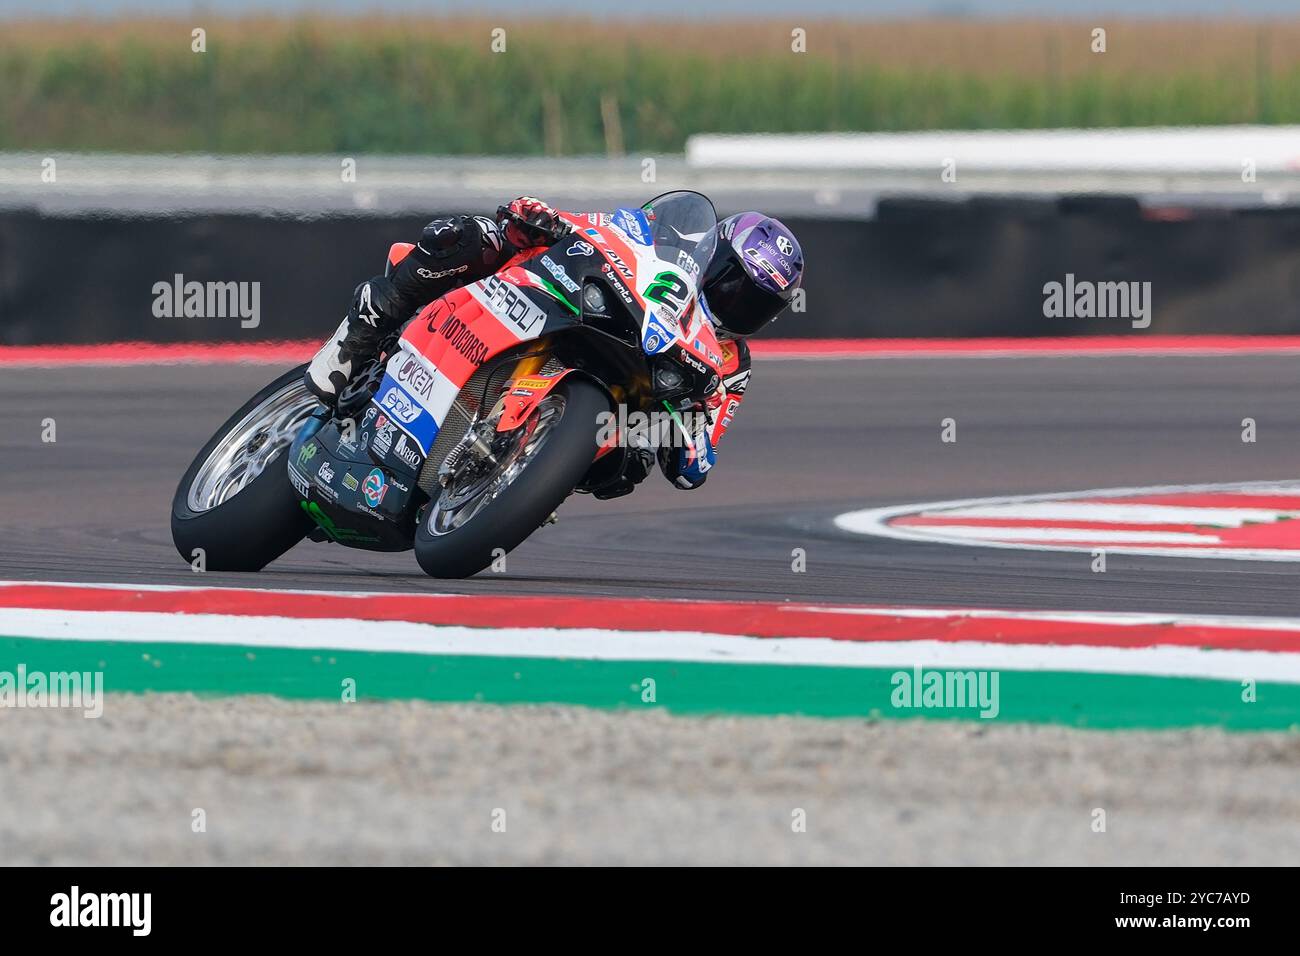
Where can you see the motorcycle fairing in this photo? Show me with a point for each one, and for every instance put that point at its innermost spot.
(524, 396)
(349, 497)
(396, 253)
(670, 318)
(453, 336)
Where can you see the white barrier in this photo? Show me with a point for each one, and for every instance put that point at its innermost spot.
(838, 175)
(1172, 150)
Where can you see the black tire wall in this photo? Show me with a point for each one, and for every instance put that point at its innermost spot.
(919, 268)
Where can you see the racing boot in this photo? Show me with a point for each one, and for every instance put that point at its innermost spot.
(375, 313)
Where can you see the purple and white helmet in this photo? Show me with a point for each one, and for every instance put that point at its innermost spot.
(753, 273)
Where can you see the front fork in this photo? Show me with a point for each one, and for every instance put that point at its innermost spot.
(477, 440)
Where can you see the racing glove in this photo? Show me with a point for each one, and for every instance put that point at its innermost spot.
(687, 466)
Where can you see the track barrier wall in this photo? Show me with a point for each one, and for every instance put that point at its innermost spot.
(920, 268)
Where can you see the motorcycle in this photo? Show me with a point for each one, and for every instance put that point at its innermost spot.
(481, 415)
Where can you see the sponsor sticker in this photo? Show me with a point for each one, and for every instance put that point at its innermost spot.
(619, 263)
(459, 336)
(422, 431)
(558, 271)
(512, 306)
(417, 379)
(581, 248)
(400, 411)
(761, 261)
(712, 356)
(730, 413)
(534, 383)
(299, 481)
(634, 223)
(617, 284)
(374, 488)
(400, 404)
(406, 454)
(657, 338)
(383, 435)
(691, 360)
(350, 482)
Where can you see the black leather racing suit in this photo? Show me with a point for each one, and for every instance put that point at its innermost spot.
(452, 252)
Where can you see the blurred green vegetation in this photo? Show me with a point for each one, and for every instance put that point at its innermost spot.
(306, 88)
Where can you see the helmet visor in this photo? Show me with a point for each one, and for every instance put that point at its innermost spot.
(740, 305)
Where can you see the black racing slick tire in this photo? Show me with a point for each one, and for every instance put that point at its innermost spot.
(247, 527)
(528, 500)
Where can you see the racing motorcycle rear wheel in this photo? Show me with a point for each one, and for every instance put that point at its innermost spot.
(234, 506)
(490, 506)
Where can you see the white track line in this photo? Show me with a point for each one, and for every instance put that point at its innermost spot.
(1102, 618)
(1016, 533)
(594, 644)
(1122, 513)
(875, 521)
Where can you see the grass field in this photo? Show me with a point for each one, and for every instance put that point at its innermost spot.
(436, 86)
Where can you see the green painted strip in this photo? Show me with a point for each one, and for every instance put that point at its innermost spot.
(1076, 699)
(563, 299)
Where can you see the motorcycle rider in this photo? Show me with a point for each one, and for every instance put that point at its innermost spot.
(751, 278)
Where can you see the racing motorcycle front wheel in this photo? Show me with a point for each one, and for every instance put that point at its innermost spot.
(501, 494)
(234, 508)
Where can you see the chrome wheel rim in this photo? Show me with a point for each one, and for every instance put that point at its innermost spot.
(245, 450)
(462, 499)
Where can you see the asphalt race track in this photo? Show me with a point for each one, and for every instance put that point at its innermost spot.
(814, 439)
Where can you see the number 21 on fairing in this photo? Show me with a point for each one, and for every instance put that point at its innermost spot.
(670, 289)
